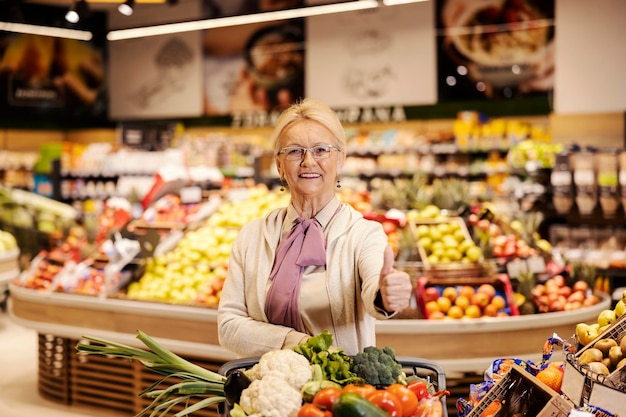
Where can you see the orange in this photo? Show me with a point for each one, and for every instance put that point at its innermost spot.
(462, 301)
(455, 312)
(499, 302)
(444, 304)
(491, 409)
(552, 376)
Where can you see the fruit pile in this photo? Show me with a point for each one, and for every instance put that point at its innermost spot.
(555, 295)
(586, 333)
(464, 301)
(604, 344)
(7, 242)
(501, 244)
(446, 241)
(41, 274)
(194, 271)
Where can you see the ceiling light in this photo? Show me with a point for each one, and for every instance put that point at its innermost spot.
(116, 35)
(72, 15)
(80, 35)
(78, 11)
(126, 8)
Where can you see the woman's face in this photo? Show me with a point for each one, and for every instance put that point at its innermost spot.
(309, 177)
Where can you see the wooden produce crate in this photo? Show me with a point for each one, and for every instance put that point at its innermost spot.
(520, 393)
(451, 266)
(95, 381)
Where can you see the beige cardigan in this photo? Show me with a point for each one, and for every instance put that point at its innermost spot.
(354, 248)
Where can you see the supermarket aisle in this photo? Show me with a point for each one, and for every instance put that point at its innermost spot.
(18, 377)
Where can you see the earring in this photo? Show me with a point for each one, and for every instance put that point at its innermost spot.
(282, 185)
(338, 183)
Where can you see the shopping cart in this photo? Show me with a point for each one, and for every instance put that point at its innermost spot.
(423, 368)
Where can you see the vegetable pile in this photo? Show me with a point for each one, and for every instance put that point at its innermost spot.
(314, 379)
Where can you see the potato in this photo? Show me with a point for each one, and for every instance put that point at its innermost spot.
(599, 368)
(591, 355)
(604, 345)
(615, 355)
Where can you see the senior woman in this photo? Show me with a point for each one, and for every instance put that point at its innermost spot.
(316, 264)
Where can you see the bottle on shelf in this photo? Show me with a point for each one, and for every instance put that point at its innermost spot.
(562, 184)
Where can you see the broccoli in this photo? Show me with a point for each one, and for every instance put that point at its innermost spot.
(378, 367)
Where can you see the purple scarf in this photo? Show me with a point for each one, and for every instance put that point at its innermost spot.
(302, 247)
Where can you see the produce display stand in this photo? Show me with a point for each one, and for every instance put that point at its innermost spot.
(464, 348)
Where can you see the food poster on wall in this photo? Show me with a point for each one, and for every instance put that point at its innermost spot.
(495, 49)
(220, 8)
(50, 76)
(255, 67)
(380, 56)
(156, 77)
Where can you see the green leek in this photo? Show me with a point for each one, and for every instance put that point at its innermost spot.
(196, 381)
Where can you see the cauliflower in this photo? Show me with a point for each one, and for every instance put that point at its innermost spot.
(271, 396)
(293, 367)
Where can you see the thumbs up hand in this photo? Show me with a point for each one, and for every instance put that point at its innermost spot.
(395, 286)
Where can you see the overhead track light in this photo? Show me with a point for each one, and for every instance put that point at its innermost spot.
(78, 10)
(72, 15)
(126, 8)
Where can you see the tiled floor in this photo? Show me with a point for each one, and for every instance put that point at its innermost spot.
(18, 377)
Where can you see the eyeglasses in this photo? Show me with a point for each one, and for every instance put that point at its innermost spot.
(296, 153)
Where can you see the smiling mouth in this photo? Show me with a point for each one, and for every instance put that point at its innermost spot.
(309, 176)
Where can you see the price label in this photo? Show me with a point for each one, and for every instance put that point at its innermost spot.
(536, 264)
(516, 268)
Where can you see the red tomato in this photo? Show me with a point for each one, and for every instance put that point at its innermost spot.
(420, 388)
(407, 398)
(311, 410)
(363, 390)
(387, 401)
(326, 397)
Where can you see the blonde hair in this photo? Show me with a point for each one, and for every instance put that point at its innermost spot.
(309, 109)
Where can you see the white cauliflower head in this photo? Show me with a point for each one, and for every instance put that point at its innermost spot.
(293, 367)
(271, 396)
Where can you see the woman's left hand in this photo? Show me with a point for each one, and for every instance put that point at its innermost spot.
(395, 286)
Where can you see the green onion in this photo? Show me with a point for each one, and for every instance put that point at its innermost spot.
(196, 380)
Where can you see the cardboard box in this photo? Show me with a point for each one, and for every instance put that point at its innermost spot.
(521, 393)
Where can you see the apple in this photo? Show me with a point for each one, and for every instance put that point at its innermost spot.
(559, 280)
(430, 294)
(581, 286)
(487, 289)
(480, 299)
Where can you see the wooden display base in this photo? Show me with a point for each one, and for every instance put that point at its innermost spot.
(96, 381)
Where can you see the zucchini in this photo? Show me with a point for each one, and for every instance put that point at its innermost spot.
(350, 404)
